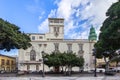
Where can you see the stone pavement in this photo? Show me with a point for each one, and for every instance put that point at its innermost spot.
(60, 78)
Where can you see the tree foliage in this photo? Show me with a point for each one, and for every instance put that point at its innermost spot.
(52, 59)
(11, 37)
(67, 60)
(109, 38)
(110, 31)
(63, 59)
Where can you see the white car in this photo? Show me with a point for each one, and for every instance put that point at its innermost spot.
(100, 70)
(116, 69)
(2, 71)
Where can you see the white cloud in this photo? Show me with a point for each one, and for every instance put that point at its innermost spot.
(41, 15)
(43, 27)
(52, 13)
(97, 9)
(75, 11)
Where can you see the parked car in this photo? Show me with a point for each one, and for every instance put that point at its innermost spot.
(20, 73)
(99, 70)
(2, 71)
(117, 69)
(110, 72)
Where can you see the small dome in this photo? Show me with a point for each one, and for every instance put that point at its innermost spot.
(92, 34)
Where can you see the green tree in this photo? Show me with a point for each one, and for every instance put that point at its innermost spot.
(109, 36)
(67, 60)
(11, 37)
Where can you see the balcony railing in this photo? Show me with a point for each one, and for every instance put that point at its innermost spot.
(30, 62)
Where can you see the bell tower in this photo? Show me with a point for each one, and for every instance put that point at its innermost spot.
(56, 28)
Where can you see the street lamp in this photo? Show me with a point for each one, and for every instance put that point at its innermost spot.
(94, 54)
(43, 72)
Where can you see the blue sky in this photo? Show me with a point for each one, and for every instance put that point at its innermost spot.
(25, 13)
(32, 15)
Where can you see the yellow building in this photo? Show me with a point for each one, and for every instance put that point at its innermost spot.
(7, 63)
(101, 63)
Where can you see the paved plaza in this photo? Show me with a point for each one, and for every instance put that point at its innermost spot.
(100, 76)
(60, 78)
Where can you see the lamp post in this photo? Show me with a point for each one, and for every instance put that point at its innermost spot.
(43, 72)
(94, 53)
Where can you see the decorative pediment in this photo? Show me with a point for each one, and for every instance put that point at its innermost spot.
(80, 51)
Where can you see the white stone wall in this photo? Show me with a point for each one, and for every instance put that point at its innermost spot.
(52, 36)
(24, 55)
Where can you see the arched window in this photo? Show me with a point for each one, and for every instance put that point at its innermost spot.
(56, 47)
(32, 55)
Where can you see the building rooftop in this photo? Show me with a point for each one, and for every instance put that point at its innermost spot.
(7, 56)
(56, 18)
(36, 33)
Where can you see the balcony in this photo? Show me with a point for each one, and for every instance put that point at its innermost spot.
(56, 24)
(30, 62)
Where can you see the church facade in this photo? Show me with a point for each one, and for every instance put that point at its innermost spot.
(31, 59)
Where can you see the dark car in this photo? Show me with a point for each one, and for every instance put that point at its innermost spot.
(110, 72)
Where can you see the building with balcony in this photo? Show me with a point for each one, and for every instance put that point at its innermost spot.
(7, 63)
(53, 41)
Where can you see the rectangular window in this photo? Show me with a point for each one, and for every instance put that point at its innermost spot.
(33, 37)
(80, 47)
(2, 62)
(61, 21)
(28, 67)
(40, 37)
(69, 47)
(12, 62)
(51, 21)
(55, 29)
(56, 47)
(56, 21)
(80, 52)
(8, 62)
(37, 67)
